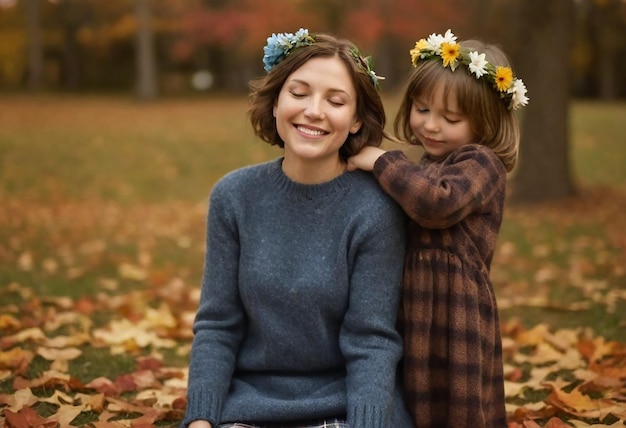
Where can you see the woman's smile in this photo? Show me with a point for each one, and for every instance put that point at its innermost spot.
(314, 132)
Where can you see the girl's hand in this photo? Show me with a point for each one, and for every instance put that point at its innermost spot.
(200, 424)
(365, 159)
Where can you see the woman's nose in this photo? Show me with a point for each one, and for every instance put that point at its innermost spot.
(314, 109)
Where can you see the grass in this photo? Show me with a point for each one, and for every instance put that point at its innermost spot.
(90, 183)
(94, 187)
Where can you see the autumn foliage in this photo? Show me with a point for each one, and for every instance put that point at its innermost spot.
(553, 376)
(101, 244)
(43, 337)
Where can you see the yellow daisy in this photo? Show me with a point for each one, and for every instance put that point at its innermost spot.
(449, 53)
(503, 78)
(415, 53)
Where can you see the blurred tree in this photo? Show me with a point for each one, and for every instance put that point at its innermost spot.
(542, 61)
(94, 44)
(13, 46)
(226, 38)
(32, 10)
(146, 83)
(331, 14)
(609, 39)
(72, 15)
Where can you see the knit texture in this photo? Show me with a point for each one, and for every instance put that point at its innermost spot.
(453, 353)
(299, 300)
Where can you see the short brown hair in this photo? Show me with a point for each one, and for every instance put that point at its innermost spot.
(369, 107)
(492, 122)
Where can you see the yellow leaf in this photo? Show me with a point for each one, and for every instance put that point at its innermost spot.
(534, 336)
(52, 354)
(19, 399)
(16, 358)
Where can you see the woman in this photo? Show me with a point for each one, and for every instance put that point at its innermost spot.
(296, 323)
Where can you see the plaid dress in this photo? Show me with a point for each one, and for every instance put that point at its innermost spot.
(448, 317)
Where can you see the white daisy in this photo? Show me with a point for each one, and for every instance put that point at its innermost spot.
(518, 89)
(477, 64)
(449, 37)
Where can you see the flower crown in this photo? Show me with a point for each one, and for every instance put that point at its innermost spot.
(445, 49)
(280, 45)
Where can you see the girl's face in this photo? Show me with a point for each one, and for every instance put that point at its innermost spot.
(439, 125)
(315, 110)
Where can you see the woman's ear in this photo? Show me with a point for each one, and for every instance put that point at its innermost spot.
(356, 126)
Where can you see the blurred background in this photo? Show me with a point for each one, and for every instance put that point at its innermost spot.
(186, 45)
(563, 49)
(118, 116)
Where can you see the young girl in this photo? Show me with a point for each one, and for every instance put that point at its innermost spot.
(303, 269)
(459, 106)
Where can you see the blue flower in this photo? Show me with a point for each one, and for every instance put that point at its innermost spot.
(273, 51)
(282, 44)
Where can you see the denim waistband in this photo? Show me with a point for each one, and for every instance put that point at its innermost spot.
(315, 423)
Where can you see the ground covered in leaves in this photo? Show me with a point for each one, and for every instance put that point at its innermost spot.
(552, 376)
(115, 355)
(101, 244)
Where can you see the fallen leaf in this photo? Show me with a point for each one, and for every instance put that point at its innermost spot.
(27, 418)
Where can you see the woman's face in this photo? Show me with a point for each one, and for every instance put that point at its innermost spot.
(316, 110)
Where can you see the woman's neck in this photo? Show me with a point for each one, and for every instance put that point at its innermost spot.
(313, 171)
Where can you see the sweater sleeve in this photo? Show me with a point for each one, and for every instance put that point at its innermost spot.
(219, 323)
(439, 195)
(369, 340)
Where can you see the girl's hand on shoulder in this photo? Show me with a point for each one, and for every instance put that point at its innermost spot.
(200, 424)
(365, 159)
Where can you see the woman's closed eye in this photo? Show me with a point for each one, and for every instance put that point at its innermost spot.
(297, 94)
(336, 102)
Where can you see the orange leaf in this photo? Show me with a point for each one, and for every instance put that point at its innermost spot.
(33, 334)
(49, 378)
(125, 383)
(66, 414)
(103, 385)
(577, 404)
(555, 422)
(20, 399)
(27, 418)
(8, 322)
(17, 359)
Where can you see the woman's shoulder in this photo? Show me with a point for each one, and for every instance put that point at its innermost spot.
(367, 193)
(241, 184)
(366, 184)
(244, 176)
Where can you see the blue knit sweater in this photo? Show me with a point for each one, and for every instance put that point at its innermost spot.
(299, 300)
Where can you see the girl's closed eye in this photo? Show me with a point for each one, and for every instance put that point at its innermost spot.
(420, 108)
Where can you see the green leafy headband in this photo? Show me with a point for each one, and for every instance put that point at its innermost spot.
(445, 49)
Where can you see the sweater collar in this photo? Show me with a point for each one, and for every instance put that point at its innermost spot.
(307, 191)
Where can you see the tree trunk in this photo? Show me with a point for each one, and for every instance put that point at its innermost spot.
(606, 22)
(71, 58)
(32, 10)
(146, 84)
(543, 63)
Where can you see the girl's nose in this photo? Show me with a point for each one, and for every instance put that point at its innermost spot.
(431, 123)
